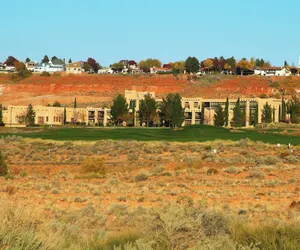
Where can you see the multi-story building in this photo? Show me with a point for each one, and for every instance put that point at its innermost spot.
(14, 115)
(74, 68)
(193, 108)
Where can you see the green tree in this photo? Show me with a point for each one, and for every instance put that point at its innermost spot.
(295, 110)
(192, 65)
(3, 165)
(171, 110)
(119, 109)
(238, 119)
(56, 104)
(30, 116)
(87, 67)
(117, 66)
(75, 103)
(266, 115)
(45, 59)
(283, 110)
(255, 122)
(231, 62)
(65, 115)
(70, 60)
(27, 59)
(227, 112)
(53, 58)
(219, 117)
(177, 114)
(147, 109)
(202, 114)
(1, 115)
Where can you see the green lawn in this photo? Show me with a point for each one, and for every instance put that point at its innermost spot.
(187, 134)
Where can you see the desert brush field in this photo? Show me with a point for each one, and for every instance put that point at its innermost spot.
(133, 195)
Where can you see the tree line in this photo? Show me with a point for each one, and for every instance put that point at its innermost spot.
(150, 113)
(290, 108)
(190, 65)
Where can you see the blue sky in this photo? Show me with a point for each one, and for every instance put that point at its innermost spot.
(169, 30)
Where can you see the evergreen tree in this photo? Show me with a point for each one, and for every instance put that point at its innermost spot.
(70, 60)
(65, 115)
(75, 103)
(283, 110)
(147, 109)
(227, 112)
(119, 109)
(266, 115)
(219, 117)
(273, 115)
(45, 59)
(295, 110)
(30, 116)
(256, 115)
(238, 119)
(202, 114)
(27, 59)
(177, 114)
(1, 116)
(166, 109)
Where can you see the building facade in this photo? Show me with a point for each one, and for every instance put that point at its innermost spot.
(74, 68)
(193, 108)
(13, 116)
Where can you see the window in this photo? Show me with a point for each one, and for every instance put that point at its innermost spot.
(47, 118)
(196, 105)
(68, 68)
(79, 69)
(187, 105)
(75, 69)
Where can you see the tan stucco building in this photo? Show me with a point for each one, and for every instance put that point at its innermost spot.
(12, 115)
(74, 68)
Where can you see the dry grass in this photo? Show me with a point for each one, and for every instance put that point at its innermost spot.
(70, 203)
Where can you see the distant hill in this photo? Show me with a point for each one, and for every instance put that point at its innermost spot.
(100, 89)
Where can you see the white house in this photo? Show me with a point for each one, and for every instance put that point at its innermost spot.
(154, 70)
(273, 71)
(49, 67)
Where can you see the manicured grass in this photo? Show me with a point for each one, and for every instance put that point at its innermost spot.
(187, 134)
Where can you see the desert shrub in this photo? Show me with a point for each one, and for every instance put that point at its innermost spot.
(45, 73)
(243, 143)
(173, 227)
(3, 165)
(211, 171)
(256, 174)
(214, 224)
(22, 74)
(157, 170)
(232, 170)
(270, 237)
(268, 160)
(142, 176)
(21, 228)
(125, 241)
(93, 165)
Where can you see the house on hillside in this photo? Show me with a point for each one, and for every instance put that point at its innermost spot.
(154, 70)
(2, 68)
(50, 67)
(273, 71)
(30, 65)
(74, 68)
